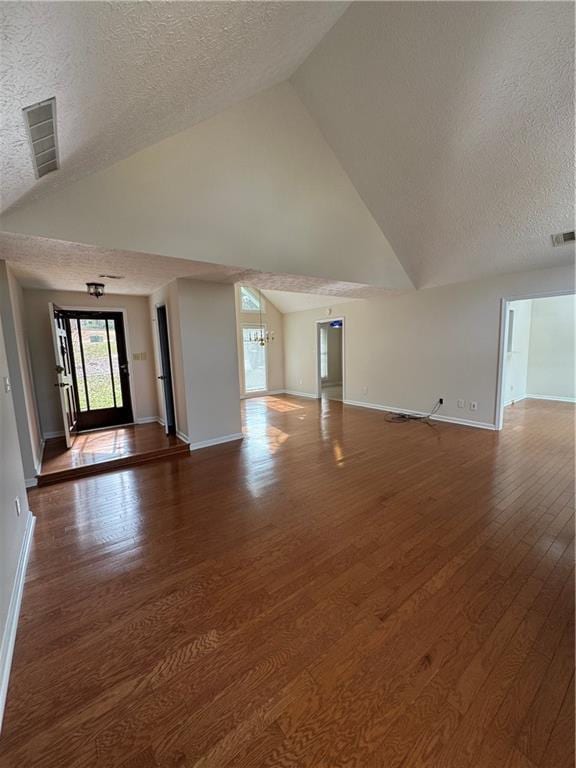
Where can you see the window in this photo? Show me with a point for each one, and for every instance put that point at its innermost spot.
(323, 352)
(254, 362)
(250, 300)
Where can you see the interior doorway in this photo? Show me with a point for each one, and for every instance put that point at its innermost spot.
(330, 363)
(91, 349)
(536, 353)
(166, 368)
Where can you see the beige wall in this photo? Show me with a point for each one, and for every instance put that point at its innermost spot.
(168, 296)
(13, 528)
(409, 350)
(17, 351)
(210, 358)
(138, 337)
(551, 358)
(272, 318)
(256, 186)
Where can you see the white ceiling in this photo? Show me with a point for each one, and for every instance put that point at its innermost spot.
(60, 265)
(286, 301)
(455, 123)
(127, 74)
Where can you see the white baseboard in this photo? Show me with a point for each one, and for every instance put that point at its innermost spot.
(436, 417)
(216, 441)
(295, 393)
(9, 635)
(51, 435)
(515, 400)
(552, 397)
(264, 393)
(182, 436)
(30, 482)
(146, 420)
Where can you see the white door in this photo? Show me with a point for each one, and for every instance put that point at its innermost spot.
(63, 368)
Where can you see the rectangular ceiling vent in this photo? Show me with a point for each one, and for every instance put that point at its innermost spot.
(41, 126)
(563, 237)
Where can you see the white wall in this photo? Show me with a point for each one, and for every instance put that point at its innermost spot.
(17, 352)
(138, 337)
(516, 360)
(272, 319)
(256, 186)
(207, 314)
(551, 357)
(407, 351)
(13, 528)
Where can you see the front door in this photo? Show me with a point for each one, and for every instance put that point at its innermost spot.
(100, 368)
(64, 367)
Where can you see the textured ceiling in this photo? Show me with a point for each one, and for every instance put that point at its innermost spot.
(285, 301)
(127, 74)
(45, 263)
(455, 123)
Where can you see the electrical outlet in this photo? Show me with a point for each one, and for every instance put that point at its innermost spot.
(473, 405)
(461, 403)
(7, 385)
(300, 382)
(17, 505)
(364, 390)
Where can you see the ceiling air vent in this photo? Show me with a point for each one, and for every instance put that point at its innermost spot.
(563, 237)
(41, 126)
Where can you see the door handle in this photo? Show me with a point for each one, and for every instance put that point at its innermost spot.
(161, 378)
(62, 385)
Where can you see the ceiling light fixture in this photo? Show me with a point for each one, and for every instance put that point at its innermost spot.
(261, 336)
(40, 122)
(95, 289)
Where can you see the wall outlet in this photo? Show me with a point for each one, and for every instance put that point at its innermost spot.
(17, 505)
(299, 382)
(7, 385)
(364, 390)
(461, 403)
(473, 405)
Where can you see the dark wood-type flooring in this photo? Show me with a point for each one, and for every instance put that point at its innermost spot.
(104, 449)
(337, 590)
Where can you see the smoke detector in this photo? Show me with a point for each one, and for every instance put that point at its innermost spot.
(40, 122)
(562, 238)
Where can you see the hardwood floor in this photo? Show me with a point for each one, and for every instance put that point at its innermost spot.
(337, 590)
(99, 451)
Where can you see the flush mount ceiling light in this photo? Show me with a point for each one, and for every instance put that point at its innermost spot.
(40, 122)
(95, 289)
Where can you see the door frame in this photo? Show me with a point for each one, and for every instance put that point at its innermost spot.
(159, 368)
(124, 312)
(502, 337)
(246, 395)
(320, 322)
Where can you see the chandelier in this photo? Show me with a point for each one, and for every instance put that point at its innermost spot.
(95, 289)
(260, 335)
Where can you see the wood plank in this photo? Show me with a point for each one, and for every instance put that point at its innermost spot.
(335, 590)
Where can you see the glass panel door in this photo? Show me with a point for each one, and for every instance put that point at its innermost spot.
(100, 368)
(254, 362)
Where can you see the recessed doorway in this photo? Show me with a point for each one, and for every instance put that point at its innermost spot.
(330, 362)
(94, 346)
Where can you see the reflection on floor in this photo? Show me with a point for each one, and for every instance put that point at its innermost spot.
(332, 391)
(104, 449)
(334, 590)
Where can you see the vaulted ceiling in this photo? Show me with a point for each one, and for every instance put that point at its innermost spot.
(440, 146)
(455, 123)
(127, 74)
